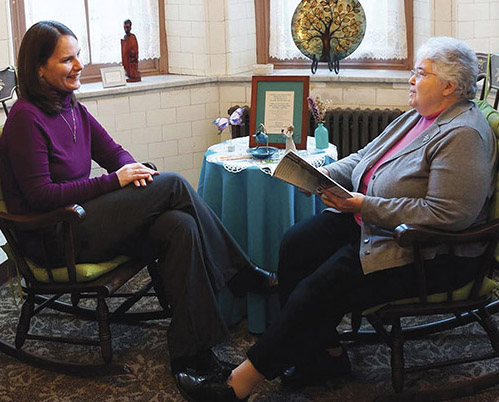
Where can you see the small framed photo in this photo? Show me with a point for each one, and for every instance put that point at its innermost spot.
(278, 102)
(113, 76)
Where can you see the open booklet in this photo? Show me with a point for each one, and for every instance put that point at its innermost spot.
(293, 169)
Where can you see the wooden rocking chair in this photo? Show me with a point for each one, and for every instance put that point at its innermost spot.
(474, 302)
(44, 288)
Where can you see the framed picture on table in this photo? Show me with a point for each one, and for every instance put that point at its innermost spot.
(279, 102)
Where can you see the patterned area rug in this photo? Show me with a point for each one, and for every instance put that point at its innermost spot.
(143, 348)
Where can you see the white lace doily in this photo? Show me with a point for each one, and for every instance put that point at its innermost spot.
(233, 155)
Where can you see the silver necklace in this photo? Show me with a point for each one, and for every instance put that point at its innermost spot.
(73, 130)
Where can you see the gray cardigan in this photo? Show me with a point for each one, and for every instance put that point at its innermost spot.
(443, 179)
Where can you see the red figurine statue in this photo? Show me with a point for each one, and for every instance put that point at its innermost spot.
(130, 53)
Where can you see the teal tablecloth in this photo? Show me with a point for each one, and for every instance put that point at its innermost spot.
(257, 209)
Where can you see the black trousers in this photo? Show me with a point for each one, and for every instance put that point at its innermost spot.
(168, 221)
(321, 279)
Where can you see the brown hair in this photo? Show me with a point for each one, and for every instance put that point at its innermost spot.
(37, 46)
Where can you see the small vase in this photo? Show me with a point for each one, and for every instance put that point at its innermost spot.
(321, 136)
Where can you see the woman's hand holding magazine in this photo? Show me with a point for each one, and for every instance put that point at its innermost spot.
(293, 169)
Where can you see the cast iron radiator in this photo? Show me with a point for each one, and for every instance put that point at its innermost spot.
(352, 129)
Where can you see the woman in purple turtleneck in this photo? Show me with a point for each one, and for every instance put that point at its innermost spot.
(48, 143)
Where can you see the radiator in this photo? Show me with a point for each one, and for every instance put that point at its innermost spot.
(352, 129)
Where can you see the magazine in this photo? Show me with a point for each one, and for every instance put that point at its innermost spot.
(293, 169)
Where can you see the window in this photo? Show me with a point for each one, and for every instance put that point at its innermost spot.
(99, 28)
(386, 44)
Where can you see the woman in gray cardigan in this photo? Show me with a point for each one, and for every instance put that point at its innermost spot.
(435, 166)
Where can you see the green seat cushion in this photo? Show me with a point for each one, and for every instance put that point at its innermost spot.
(84, 272)
(492, 117)
(460, 294)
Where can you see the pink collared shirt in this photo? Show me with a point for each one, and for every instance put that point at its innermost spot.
(412, 134)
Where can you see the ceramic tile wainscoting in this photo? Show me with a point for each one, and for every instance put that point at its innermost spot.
(168, 119)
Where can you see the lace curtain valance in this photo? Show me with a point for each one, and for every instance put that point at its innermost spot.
(105, 25)
(385, 36)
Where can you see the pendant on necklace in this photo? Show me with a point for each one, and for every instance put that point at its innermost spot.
(72, 129)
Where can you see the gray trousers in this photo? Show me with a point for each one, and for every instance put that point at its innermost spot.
(168, 221)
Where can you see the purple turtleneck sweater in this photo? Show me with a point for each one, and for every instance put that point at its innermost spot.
(42, 168)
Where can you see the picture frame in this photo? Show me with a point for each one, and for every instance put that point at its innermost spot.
(113, 76)
(278, 102)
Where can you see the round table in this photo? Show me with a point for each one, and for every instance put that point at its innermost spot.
(257, 209)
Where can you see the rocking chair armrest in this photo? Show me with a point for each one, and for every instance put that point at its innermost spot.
(71, 214)
(150, 165)
(407, 235)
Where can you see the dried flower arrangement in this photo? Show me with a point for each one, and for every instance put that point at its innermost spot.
(318, 108)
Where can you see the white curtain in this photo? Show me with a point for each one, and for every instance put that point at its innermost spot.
(105, 25)
(57, 10)
(385, 36)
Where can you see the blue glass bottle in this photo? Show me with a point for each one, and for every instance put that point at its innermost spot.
(321, 136)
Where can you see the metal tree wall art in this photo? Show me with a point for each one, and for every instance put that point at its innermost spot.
(328, 30)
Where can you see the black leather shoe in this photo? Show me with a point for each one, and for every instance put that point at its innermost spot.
(253, 279)
(317, 371)
(210, 388)
(202, 363)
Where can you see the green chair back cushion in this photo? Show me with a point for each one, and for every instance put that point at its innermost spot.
(492, 117)
(460, 294)
(490, 114)
(84, 272)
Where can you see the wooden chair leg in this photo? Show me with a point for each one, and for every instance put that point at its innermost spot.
(397, 359)
(24, 320)
(489, 327)
(102, 315)
(356, 320)
(75, 299)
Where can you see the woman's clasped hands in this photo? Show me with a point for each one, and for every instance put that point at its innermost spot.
(137, 173)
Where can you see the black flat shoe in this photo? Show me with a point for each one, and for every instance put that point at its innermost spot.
(320, 369)
(254, 280)
(202, 363)
(206, 388)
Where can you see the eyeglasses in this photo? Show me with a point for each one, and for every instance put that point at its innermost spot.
(420, 73)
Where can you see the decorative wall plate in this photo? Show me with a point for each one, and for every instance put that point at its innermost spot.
(328, 30)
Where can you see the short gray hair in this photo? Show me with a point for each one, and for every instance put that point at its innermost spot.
(452, 61)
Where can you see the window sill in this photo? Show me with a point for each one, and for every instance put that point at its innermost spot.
(148, 83)
(346, 75)
(160, 82)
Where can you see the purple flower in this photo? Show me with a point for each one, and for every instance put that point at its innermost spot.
(236, 118)
(318, 108)
(222, 123)
(314, 109)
